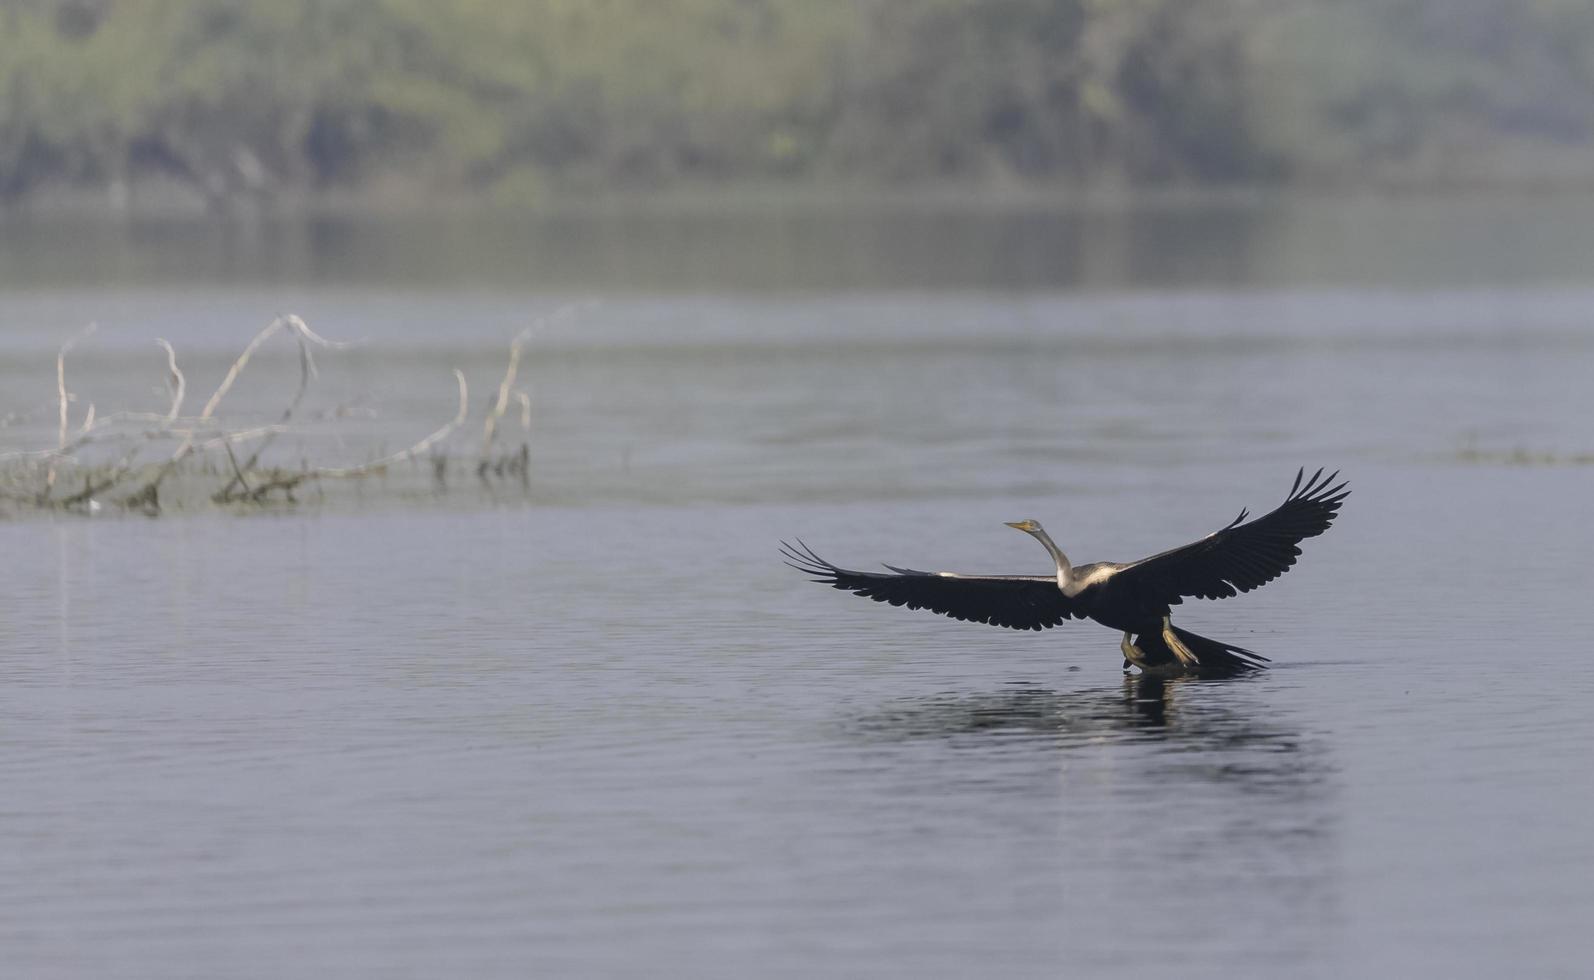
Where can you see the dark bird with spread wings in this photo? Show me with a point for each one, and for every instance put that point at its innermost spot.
(1133, 597)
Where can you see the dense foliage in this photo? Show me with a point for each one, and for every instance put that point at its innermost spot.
(237, 97)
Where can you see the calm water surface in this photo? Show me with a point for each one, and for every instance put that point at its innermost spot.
(592, 727)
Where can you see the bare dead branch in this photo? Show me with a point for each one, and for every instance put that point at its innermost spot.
(525, 410)
(307, 370)
(63, 398)
(175, 381)
(411, 452)
(132, 432)
(506, 387)
(238, 474)
(490, 424)
(306, 337)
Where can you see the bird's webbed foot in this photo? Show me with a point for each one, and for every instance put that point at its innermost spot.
(1186, 656)
(1132, 654)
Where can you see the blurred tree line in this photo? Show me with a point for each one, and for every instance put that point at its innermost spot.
(521, 97)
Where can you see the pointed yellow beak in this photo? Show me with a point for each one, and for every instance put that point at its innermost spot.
(1025, 526)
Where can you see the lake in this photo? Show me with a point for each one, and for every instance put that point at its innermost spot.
(587, 724)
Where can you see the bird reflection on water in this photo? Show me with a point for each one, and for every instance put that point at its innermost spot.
(1197, 804)
(1202, 761)
(1141, 706)
(1212, 740)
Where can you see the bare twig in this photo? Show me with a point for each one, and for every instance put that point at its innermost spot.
(411, 452)
(289, 321)
(238, 474)
(132, 432)
(307, 370)
(162, 431)
(506, 387)
(63, 397)
(490, 425)
(223, 437)
(174, 381)
(525, 410)
(124, 466)
(293, 323)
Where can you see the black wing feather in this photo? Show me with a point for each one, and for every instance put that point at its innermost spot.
(1020, 602)
(1241, 556)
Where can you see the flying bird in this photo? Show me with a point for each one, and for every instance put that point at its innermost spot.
(1132, 597)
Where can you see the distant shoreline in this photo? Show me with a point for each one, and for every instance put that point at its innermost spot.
(164, 199)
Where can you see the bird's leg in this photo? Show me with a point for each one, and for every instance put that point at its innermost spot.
(1132, 654)
(1186, 657)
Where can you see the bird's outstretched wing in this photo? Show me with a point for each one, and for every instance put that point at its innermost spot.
(1242, 556)
(1020, 602)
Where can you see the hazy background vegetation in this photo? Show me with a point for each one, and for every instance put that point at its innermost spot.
(227, 100)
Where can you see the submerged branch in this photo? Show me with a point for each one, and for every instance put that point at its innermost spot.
(206, 444)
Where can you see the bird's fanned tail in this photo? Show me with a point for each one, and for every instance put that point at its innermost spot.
(1218, 659)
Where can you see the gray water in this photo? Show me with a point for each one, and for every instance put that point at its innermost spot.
(591, 726)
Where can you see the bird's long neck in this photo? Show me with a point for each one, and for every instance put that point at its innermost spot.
(1065, 571)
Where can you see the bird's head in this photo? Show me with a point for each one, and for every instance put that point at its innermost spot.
(1034, 530)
